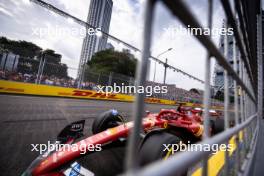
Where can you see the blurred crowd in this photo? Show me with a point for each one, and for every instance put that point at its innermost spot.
(183, 95)
(14, 76)
(174, 93)
(45, 79)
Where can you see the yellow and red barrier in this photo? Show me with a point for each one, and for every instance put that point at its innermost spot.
(46, 90)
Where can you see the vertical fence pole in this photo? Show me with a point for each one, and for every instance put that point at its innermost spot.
(39, 67)
(247, 137)
(165, 71)
(248, 113)
(242, 115)
(237, 152)
(236, 108)
(207, 92)
(260, 68)
(226, 100)
(42, 69)
(139, 105)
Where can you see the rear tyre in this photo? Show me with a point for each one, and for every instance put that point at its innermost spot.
(218, 126)
(108, 119)
(154, 149)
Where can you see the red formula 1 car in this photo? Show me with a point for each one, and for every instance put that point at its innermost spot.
(103, 153)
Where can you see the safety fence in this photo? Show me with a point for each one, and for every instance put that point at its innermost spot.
(246, 20)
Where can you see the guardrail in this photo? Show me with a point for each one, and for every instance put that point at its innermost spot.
(248, 103)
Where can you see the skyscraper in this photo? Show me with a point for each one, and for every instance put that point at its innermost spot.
(99, 16)
(218, 70)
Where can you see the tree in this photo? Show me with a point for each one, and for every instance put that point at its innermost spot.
(27, 51)
(22, 48)
(194, 91)
(52, 57)
(113, 61)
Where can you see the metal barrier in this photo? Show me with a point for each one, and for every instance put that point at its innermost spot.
(248, 102)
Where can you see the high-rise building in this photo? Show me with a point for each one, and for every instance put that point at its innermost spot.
(99, 16)
(218, 70)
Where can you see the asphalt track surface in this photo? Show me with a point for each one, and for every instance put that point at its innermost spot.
(26, 120)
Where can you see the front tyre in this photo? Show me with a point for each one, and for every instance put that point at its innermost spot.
(108, 119)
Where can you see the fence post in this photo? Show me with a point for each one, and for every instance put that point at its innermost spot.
(42, 69)
(226, 100)
(260, 66)
(207, 92)
(40, 66)
(138, 111)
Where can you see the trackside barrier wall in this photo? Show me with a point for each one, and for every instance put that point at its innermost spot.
(45, 90)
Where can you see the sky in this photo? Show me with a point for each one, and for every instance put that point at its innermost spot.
(23, 20)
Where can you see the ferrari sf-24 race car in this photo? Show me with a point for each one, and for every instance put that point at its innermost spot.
(110, 132)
